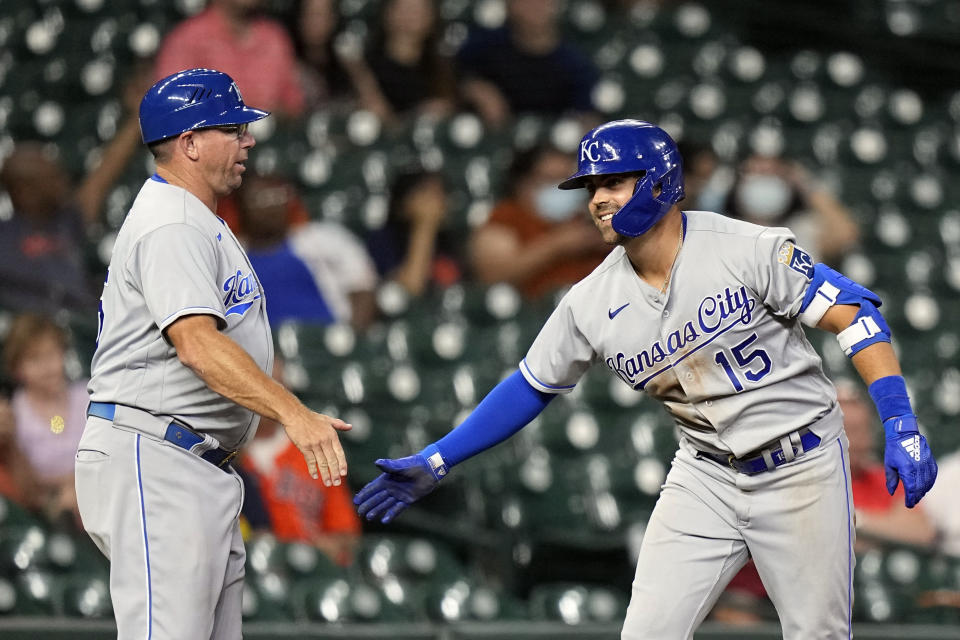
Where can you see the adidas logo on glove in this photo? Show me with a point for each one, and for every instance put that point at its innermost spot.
(912, 446)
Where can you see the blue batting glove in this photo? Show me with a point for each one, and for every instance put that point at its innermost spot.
(907, 458)
(403, 482)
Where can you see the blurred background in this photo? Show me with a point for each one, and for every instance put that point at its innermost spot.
(400, 210)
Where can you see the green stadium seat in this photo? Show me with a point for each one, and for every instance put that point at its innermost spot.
(22, 549)
(8, 597)
(576, 604)
(36, 593)
(411, 558)
(13, 515)
(86, 596)
(462, 600)
(322, 599)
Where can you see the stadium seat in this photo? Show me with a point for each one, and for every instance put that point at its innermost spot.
(36, 593)
(415, 559)
(86, 596)
(575, 604)
(463, 600)
(23, 549)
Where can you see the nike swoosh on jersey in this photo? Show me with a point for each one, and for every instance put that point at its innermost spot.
(614, 313)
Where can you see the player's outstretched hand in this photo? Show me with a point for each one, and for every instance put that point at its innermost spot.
(403, 482)
(907, 458)
(315, 435)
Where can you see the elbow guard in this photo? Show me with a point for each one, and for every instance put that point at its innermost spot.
(829, 287)
(868, 328)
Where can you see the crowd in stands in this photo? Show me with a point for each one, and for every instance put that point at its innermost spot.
(535, 238)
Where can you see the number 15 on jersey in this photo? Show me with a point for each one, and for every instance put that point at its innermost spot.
(744, 362)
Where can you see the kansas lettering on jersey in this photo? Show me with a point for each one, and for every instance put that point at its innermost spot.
(715, 316)
(722, 349)
(173, 257)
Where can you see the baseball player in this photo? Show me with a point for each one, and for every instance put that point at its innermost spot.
(178, 379)
(704, 313)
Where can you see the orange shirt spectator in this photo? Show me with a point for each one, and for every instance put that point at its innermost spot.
(232, 37)
(530, 228)
(301, 509)
(538, 237)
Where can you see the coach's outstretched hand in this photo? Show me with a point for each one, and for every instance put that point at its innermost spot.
(908, 458)
(403, 482)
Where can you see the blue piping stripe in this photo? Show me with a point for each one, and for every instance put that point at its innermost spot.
(187, 309)
(846, 482)
(544, 384)
(653, 375)
(146, 545)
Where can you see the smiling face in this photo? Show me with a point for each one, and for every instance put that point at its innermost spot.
(608, 193)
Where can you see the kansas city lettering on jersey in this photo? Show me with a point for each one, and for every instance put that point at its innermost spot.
(712, 318)
(241, 292)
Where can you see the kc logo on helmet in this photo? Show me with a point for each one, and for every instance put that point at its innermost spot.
(587, 150)
(592, 151)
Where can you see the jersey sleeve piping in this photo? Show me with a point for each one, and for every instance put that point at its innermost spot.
(542, 386)
(194, 311)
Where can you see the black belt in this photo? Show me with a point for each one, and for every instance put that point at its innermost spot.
(755, 461)
(178, 434)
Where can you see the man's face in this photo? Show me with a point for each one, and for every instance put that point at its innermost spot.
(224, 152)
(608, 193)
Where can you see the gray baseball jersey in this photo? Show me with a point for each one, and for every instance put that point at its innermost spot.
(722, 349)
(173, 258)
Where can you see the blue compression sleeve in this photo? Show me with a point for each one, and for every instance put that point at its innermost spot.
(505, 410)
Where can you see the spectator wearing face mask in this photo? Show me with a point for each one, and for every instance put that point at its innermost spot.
(776, 193)
(538, 238)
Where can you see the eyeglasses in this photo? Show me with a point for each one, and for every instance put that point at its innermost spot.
(235, 130)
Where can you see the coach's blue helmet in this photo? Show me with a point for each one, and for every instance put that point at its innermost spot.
(192, 99)
(633, 146)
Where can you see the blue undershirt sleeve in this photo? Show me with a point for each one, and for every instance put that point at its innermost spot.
(505, 410)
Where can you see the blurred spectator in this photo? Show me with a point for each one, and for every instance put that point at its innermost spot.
(940, 505)
(404, 70)
(324, 79)
(300, 509)
(525, 66)
(41, 245)
(312, 272)
(49, 411)
(774, 192)
(234, 37)
(16, 479)
(411, 248)
(706, 181)
(538, 238)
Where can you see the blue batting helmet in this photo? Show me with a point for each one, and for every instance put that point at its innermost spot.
(633, 146)
(192, 99)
